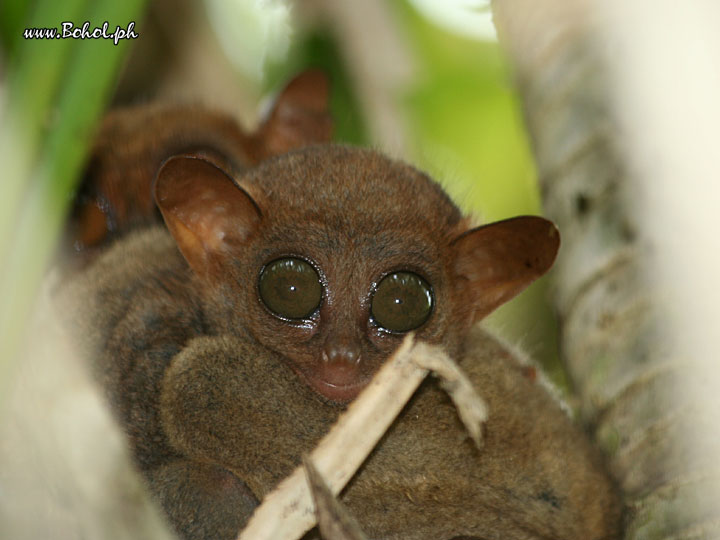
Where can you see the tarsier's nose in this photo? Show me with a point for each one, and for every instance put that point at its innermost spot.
(341, 351)
(338, 376)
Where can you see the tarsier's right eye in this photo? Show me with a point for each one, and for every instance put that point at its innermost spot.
(402, 302)
(290, 288)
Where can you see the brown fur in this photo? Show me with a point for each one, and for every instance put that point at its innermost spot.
(298, 204)
(535, 477)
(210, 386)
(219, 397)
(133, 142)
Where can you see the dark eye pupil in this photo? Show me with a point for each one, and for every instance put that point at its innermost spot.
(290, 288)
(402, 302)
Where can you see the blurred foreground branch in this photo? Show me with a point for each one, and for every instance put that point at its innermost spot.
(594, 77)
(65, 470)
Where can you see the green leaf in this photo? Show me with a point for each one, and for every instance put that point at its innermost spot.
(57, 91)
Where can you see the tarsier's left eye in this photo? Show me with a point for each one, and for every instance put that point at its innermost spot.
(402, 302)
(290, 288)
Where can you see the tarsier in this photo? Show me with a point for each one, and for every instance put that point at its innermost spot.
(228, 339)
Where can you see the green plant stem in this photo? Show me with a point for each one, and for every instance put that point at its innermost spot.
(57, 90)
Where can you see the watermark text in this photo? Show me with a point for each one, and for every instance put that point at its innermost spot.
(68, 30)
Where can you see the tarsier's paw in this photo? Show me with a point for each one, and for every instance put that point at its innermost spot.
(215, 409)
(202, 500)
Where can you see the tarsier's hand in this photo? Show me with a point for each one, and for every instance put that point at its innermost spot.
(216, 409)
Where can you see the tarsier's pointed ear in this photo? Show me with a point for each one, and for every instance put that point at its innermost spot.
(495, 262)
(300, 115)
(206, 212)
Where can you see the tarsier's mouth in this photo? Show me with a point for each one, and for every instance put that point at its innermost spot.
(337, 392)
(338, 384)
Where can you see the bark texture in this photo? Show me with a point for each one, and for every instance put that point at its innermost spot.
(621, 358)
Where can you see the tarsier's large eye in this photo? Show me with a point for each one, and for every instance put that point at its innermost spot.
(290, 288)
(402, 302)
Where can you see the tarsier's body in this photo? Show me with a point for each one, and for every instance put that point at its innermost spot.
(223, 376)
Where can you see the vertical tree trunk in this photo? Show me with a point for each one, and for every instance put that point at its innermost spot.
(623, 352)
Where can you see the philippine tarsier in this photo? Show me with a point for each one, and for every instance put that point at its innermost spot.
(228, 339)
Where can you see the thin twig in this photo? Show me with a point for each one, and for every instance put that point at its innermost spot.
(288, 512)
(334, 520)
(471, 407)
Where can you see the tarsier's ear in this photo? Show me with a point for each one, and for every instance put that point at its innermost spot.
(300, 116)
(495, 262)
(206, 212)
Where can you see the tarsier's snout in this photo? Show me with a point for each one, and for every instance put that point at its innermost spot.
(339, 375)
